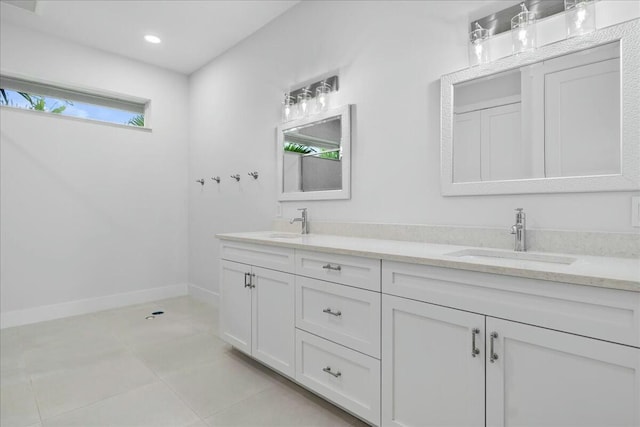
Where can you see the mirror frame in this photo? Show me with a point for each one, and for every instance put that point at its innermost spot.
(344, 112)
(628, 34)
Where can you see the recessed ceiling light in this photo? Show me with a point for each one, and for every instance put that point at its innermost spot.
(152, 39)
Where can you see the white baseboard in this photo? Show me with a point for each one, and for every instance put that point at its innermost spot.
(90, 305)
(205, 295)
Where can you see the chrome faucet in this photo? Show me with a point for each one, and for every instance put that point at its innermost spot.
(303, 220)
(520, 231)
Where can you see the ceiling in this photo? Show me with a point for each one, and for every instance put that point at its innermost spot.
(192, 32)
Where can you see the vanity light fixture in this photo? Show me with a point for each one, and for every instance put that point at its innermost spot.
(323, 96)
(479, 52)
(152, 39)
(288, 107)
(523, 31)
(312, 98)
(580, 17)
(304, 103)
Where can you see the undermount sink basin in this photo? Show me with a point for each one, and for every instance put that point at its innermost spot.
(521, 256)
(284, 235)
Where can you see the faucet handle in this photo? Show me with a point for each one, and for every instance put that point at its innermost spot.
(519, 209)
(302, 209)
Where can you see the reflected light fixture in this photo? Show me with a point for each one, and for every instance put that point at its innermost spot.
(152, 39)
(523, 31)
(580, 17)
(478, 47)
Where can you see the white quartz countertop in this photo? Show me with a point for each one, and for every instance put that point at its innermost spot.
(607, 272)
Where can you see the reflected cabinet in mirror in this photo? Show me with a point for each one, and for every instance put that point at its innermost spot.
(562, 119)
(314, 156)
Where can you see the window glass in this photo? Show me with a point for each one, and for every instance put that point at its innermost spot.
(35, 96)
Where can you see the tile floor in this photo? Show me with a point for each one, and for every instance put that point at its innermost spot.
(114, 368)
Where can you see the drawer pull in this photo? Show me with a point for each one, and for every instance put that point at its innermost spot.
(331, 267)
(474, 350)
(333, 313)
(334, 374)
(493, 356)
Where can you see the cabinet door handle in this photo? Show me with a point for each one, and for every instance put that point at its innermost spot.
(333, 313)
(331, 267)
(247, 280)
(253, 276)
(335, 374)
(474, 350)
(493, 356)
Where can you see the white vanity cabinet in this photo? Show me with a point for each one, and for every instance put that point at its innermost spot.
(410, 344)
(338, 329)
(312, 316)
(257, 304)
(438, 359)
(543, 377)
(430, 374)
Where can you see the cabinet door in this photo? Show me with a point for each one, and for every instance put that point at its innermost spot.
(273, 335)
(582, 120)
(548, 378)
(466, 155)
(235, 305)
(429, 375)
(501, 150)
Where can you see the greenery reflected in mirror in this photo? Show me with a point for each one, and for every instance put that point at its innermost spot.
(314, 156)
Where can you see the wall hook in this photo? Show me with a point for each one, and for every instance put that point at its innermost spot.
(253, 174)
(201, 181)
(236, 177)
(216, 179)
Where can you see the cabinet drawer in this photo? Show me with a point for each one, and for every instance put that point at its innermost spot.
(346, 377)
(348, 270)
(266, 256)
(346, 315)
(606, 314)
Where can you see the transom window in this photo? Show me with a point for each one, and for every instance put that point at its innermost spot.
(29, 95)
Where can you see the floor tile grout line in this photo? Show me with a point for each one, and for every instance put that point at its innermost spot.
(35, 398)
(98, 401)
(177, 395)
(228, 407)
(274, 383)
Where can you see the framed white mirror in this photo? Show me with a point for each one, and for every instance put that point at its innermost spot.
(314, 156)
(564, 118)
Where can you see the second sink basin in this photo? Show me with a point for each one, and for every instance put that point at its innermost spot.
(284, 235)
(521, 256)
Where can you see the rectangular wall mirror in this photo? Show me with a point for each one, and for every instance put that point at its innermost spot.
(564, 118)
(314, 156)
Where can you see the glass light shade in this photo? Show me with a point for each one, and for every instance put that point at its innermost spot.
(523, 31)
(580, 16)
(304, 101)
(288, 108)
(323, 97)
(479, 52)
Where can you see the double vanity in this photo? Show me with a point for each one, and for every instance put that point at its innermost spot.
(418, 334)
(415, 334)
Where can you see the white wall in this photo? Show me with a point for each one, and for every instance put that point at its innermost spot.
(90, 210)
(389, 56)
